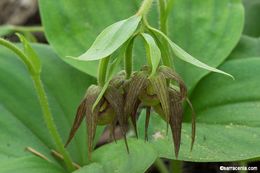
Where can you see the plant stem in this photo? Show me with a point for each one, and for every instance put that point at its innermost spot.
(176, 166)
(48, 118)
(47, 115)
(163, 17)
(243, 164)
(18, 52)
(143, 10)
(164, 9)
(161, 166)
(102, 70)
(129, 59)
(26, 28)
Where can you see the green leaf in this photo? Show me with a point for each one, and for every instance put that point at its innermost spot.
(252, 13)
(111, 38)
(207, 30)
(30, 53)
(227, 118)
(115, 158)
(72, 26)
(21, 122)
(91, 168)
(247, 47)
(153, 52)
(29, 164)
(180, 53)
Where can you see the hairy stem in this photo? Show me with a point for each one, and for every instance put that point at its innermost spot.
(50, 122)
(160, 165)
(163, 17)
(146, 5)
(18, 52)
(47, 115)
(102, 71)
(26, 28)
(164, 48)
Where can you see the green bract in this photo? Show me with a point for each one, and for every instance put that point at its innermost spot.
(111, 38)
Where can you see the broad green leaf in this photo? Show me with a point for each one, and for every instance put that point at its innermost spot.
(228, 118)
(30, 53)
(207, 30)
(111, 38)
(153, 52)
(180, 53)
(115, 158)
(91, 168)
(29, 164)
(21, 122)
(247, 47)
(252, 13)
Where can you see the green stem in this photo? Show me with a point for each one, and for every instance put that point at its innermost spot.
(243, 164)
(18, 52)
(169, 7)
(143, 10)
(129, 59)
(176, 166)
(102, 71)
(164, 51)
(47, 115)
(50, 122)
(163, 17)
(26, 28)
(161, 166)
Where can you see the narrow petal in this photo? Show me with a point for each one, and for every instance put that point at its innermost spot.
(193, 124)
(135, 86)
(116, 100)
(92, 116)
(176, 119)
(170, 74)
(134, 116)
(161, 89)
(81, 112)
(147, 119)
(112, 128)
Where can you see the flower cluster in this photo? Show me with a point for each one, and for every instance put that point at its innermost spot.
(123, 97)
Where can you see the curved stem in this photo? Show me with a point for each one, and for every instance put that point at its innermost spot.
(146, 5)
(18, 52)
(50, 122)
(166, 58)
(102, 71)
(47, 115)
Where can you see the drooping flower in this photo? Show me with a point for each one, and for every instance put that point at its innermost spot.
(123, 97)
